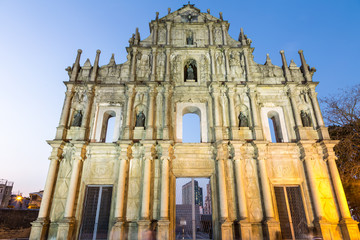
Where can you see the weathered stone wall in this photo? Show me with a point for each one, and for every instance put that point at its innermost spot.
(16, 223)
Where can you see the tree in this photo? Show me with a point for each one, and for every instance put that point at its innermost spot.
(342, 114)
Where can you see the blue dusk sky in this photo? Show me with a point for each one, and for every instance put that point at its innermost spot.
(39, 39)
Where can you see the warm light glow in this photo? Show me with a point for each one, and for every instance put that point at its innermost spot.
(19, 198)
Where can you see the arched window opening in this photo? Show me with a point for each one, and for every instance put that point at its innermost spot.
(191, 128)
(108, 127)
(275, 127)
(190, 71)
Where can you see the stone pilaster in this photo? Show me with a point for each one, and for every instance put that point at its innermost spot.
(153, 65)
(167, 115)
(322, 130)
(257, 130)
(217, 113)
(133, 64)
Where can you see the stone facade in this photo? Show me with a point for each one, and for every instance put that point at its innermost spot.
(190, 64)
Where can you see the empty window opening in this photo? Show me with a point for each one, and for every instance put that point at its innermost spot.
(191, 128)
(291, 212)
(275, 128)
(193, 208)
(96, 213)
(108, 127)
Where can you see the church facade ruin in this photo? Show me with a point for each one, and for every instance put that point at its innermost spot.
(264, 144)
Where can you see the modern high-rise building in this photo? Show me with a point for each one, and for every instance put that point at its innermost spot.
(261, 187)
(187, 193)
(207, 204)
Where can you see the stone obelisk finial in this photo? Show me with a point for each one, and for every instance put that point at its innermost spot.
(285, 67)
(76, 66)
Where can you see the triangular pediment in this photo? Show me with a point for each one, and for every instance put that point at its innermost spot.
(188, 13)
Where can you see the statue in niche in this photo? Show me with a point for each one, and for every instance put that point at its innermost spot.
(190, 39)
(235, 64)
(190, 71)
(305, 119)
(243, 120)
(140, 119)
(77, 119)
(219, 63)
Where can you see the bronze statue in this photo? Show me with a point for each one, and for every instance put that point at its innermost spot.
(77, 119)
(305, 119)
(243, 120)
(190, 72)
(190, 40)
(140, 119)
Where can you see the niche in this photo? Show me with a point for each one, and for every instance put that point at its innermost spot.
(190, 71)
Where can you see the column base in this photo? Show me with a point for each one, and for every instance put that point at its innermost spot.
(144, 231)
(166, 133)
(149, 133)
(117, 231)
(163, 229)
(39, 229)
(272, 229)
(306, 133)
(226, 230)
(245, 133)
(323, 133)
(126, 134)
(258, 133)
(66, 229)
(218, 133)
(245, 230)
(60, 132)
(349, 229)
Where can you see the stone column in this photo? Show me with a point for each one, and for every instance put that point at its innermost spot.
(227, 66)
(119, 215)
(292, 97)
(155, 34)
(65, 112)
(145, 204)
(153, 65)
(321, 129)
(150, 125)
(164, 202)
(168, 33)
(257, 130)
(212, 55)
(348, 226)
(234, 127)
(240, 190)
(166, 130)
(217, 115)
(40, 226)
(222, 190)
(167, 74)
(223, 27)
(67, 224)
(127, 131)
(159, 110)
(211, 41)
(133, 65)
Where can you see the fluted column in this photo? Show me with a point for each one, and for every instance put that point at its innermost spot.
(145, 204)
(155, 29)
(240, 190)
(257, 130)
(223, 27)
(164, 203)
(217, 109)
(166, 130)
(212, 55)
(167, 74)
(227, 64)
(232, 106)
